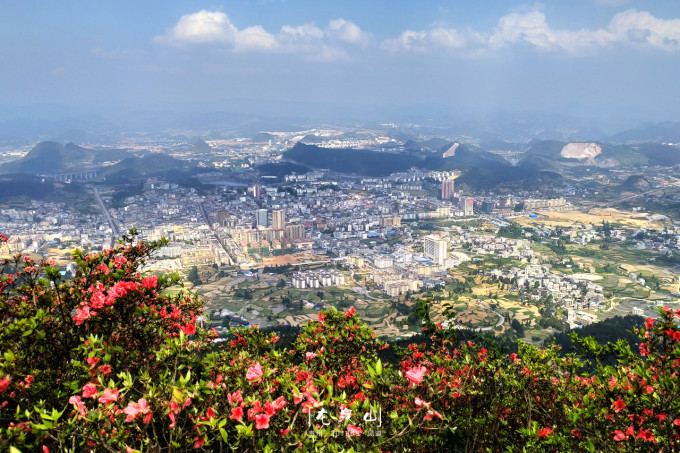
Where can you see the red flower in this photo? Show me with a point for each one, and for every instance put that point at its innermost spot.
(109, 396)
(279, 403)
(514, 358)
(354, 430)
(189, 329)
(612, 382)
(649, 323)
(351, 312)
(150, 282)
(134, 409)
(646, 434)
(83, 314)
(235, 397)
(619, 405)
(254, 372)
(4, 383)
(619, 435)
(92, 361)
(262, 421)
(322, 318)
(283, 432)
(415, 375)
(89, 391)
(545, 432)
(644, 349)
(237, 414)
(105, 369)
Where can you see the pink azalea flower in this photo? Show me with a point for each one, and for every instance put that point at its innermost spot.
(415, 375)
(237, 414)
(109, 396)
(188, 329)
(619, 405)
(150, 282)
(354, 430)
(4, 383)
(545, 432)
(83, 314)
(254, 372)
(279, 403)
(351, 312)
(262, 421)
(89, 391)
(134, 409)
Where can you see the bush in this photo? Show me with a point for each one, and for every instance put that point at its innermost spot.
(107, 362)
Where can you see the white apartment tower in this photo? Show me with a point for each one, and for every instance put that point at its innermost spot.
(434, 248)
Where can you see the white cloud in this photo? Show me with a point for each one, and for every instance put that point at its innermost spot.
(531, 29)
(526, 28)
(642, 28)
(203, 27)
(214, 27)
(349, 32)
(408, 40)
(422, 41)
(255, 38)
(305, 32)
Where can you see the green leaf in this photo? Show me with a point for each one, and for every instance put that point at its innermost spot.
(378, 368)
(14, 450)
(223, 433)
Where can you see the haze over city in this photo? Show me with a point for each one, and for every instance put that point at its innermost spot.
(593, 58)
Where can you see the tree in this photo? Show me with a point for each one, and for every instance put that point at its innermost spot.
(281, 283)
(193, 277)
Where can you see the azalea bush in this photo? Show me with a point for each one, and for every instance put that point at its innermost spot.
(107, 361)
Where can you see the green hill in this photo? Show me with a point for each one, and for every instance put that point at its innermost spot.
(148, 166)
(53, 157)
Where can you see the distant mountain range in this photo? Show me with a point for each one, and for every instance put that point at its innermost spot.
(610, 155)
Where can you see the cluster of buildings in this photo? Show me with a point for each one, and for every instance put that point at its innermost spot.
(312, 279)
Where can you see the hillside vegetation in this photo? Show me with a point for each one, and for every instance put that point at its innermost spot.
(107, 362)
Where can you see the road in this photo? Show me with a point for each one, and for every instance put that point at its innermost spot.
(112, 224)
(501, 321)
(630, 197)
(212, 230)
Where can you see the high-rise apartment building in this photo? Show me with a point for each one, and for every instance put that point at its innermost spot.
(447, 189)
(295, 231)
(434, 248)
(467, 205)
(279, 219)
(261, 218)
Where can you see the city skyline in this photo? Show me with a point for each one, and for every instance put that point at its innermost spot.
(613, 57)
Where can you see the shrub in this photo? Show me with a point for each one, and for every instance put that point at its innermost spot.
(107, 362)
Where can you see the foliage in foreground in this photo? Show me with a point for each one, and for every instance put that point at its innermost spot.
(106, 362)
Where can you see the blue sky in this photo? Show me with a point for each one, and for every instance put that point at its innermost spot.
(605, 56)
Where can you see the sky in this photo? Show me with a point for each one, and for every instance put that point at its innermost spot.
(609, 57)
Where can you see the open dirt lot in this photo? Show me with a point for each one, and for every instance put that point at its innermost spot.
(594, 217)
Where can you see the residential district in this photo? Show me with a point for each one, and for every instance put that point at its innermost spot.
(275, 250)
